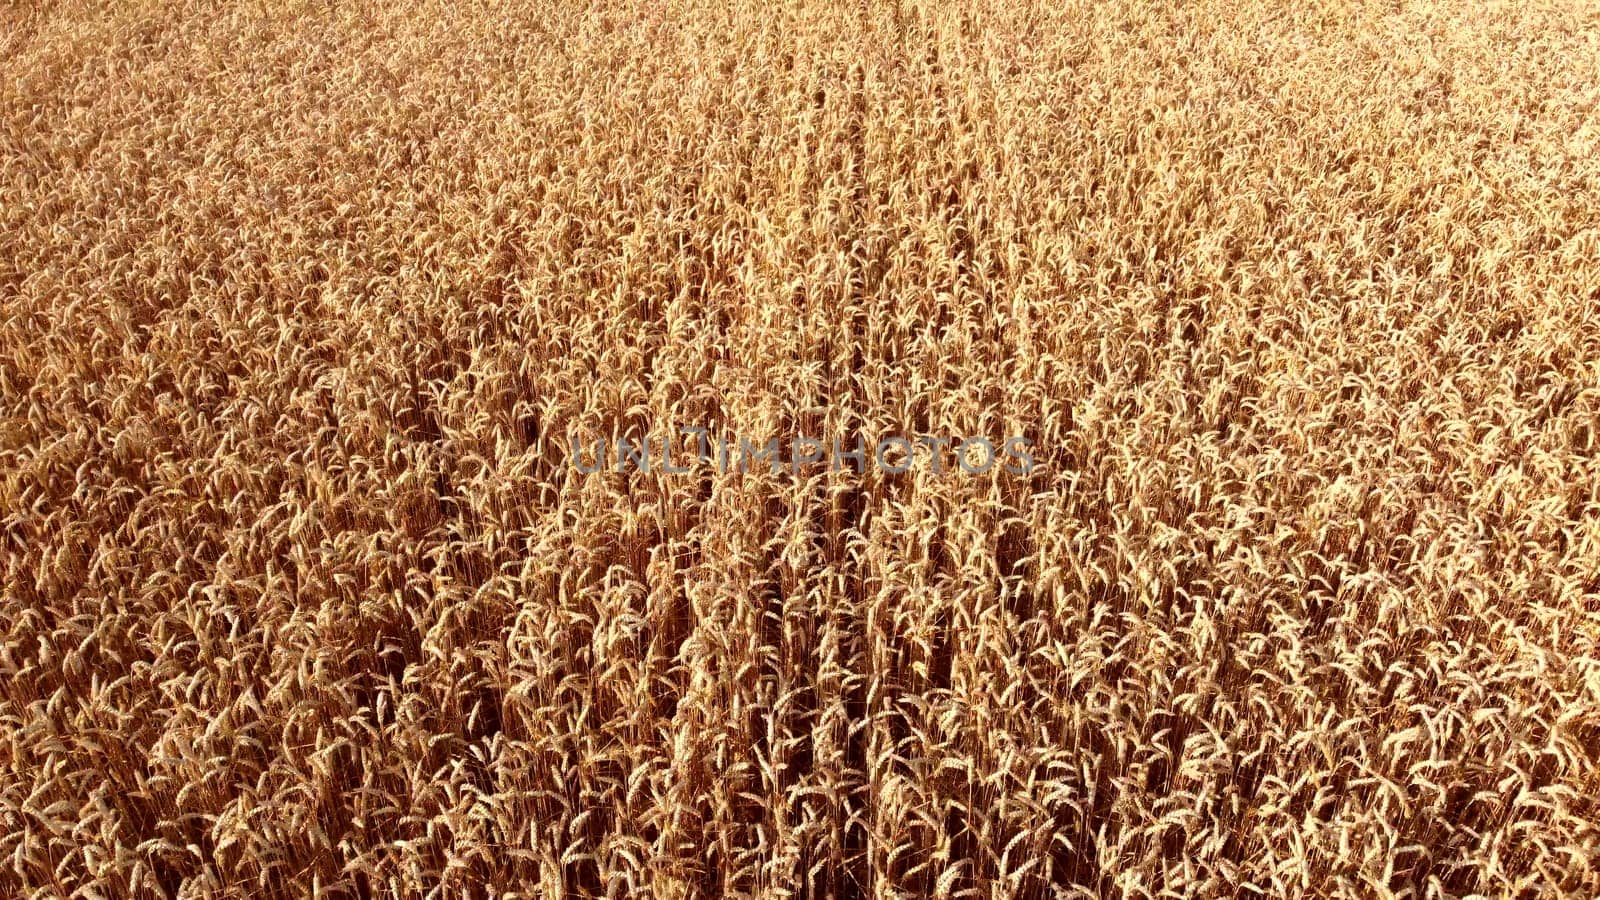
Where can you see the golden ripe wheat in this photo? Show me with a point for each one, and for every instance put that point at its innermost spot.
(302, 304)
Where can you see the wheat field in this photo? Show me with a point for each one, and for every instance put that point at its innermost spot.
(303, 307)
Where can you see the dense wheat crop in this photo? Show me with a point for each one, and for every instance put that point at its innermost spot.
(303, 305)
